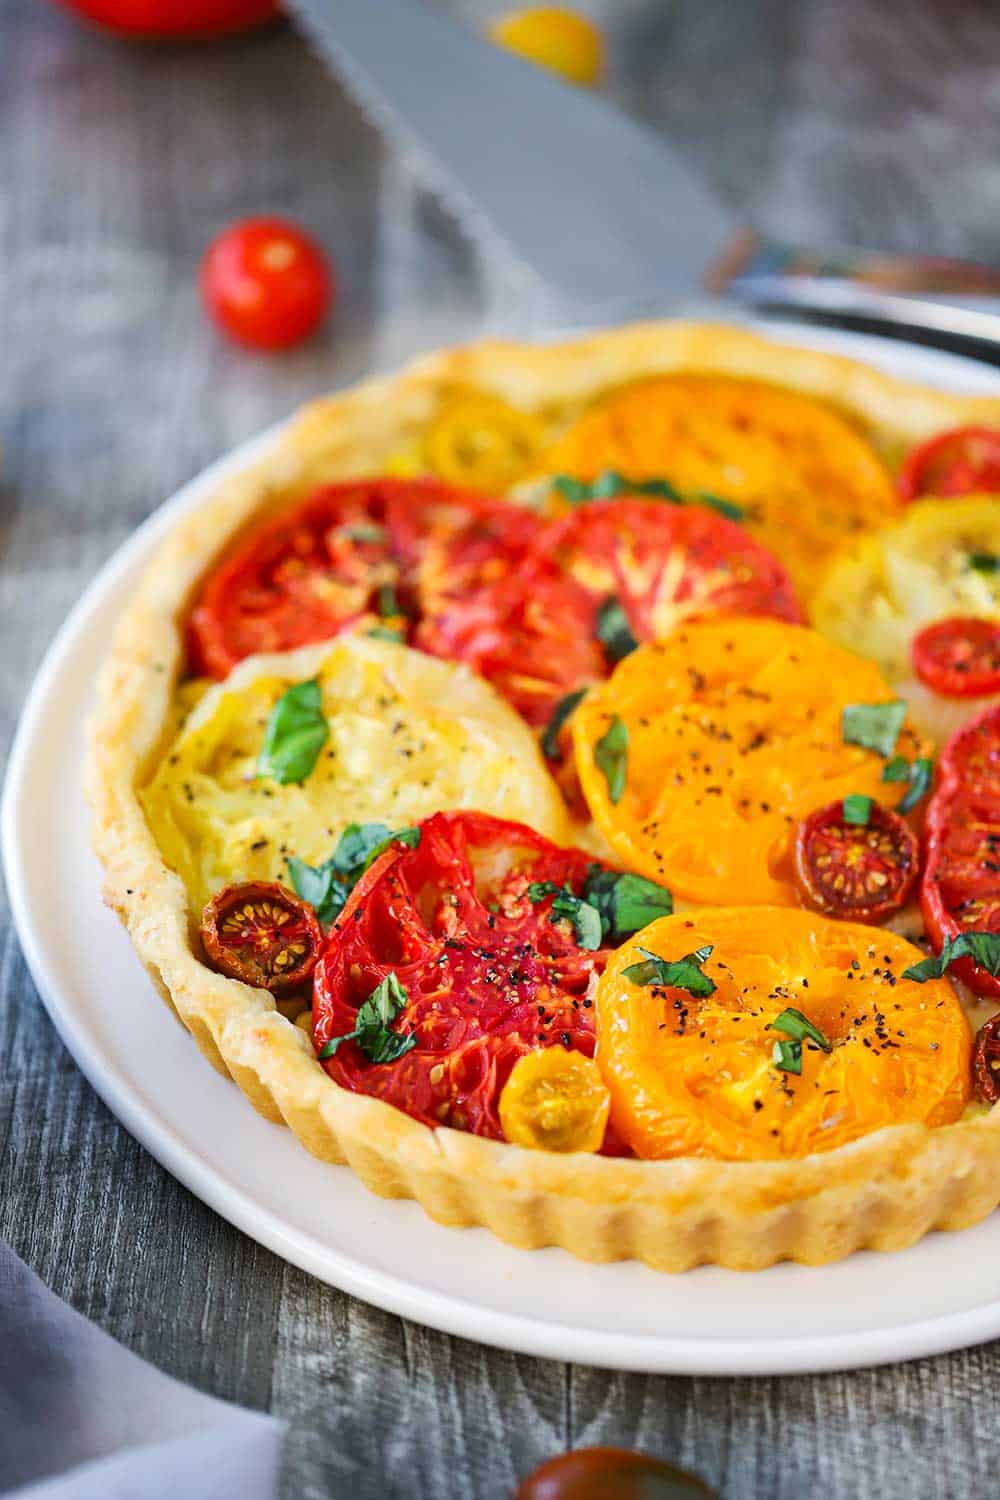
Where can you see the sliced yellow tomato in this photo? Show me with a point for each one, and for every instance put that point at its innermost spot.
(554, 37)
(808, 481)
(699, 755)
(555, 1100)
(734, 1073)
(481, 442)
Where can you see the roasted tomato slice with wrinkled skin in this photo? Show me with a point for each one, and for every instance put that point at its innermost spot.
(263, 934)
(958, 657)
(960, 889)
(488, 976)
(317, 568)
(986, 1061)
(664, 562)
(861, 872)
(957, 462)
(491, 596)
(611, 1474)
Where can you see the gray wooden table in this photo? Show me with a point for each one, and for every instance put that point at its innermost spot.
(829, 120)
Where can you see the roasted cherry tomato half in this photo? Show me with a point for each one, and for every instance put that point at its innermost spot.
(267, 283)
(170, 19)
(611, 1474)
(465, 923)
(860, 871)
(957, 462)
(347, 551)
(959, 657)
(986, 1061)
(960, 889)
(555, 1100)
(263, 934)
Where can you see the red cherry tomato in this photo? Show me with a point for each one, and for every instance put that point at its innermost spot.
(958, 657)
(986, 1061)
(958, 462)
(266, 283)
(160, 19)
(960, 890)
(611, 1474)
(488, 975)
(348, 550)
(263, 934)
(859, 872)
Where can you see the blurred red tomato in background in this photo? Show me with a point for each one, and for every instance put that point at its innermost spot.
(267, 283)
(175, 19)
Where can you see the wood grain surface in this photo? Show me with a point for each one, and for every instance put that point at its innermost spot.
(828, 121)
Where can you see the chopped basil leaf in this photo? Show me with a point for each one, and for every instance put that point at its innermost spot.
(364, 531)
(626, 902)
(614, 631)
(372, 1025)
(678, 974)
(386, 602)
(576, 491)
(982, 947)
(383, 633)
(611, 757)
(561, 712)
(919, 773)
(857, 809)
(727, 508)
(585, 917)
(787, 1056)
(327, 886)
(874, 726)
(794, 1024)
(296, 732)
(984, 562)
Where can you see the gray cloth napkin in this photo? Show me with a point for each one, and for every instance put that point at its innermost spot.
(83, 1419)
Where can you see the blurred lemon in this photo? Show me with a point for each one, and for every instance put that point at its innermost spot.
(554, 37)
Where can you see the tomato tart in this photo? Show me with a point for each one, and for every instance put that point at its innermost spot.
(562, 783)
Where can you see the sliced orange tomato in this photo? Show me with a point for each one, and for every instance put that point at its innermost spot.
(809, 1038)
(700, 754)
(808, 480)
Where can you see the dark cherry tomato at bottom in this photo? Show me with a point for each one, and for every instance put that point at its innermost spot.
(986, 1062)
(267, 283)
(860, 871)
(611, 1474)
(261, 933)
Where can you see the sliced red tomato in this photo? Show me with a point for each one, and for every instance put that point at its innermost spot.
(267, 283)
(960, 890)
(348, 550)
(155, 19)
(958, 462)
(263, 934)
(491, 596)
(488, 975)
(858, 871)
(543, 609)
(986, 1061)
(958, 657)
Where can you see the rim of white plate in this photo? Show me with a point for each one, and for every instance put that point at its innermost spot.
(654, 1353)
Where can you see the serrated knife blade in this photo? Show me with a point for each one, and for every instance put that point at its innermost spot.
(606, 215)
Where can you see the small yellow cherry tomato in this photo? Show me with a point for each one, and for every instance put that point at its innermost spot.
(555, 1100)
(554, 37)
(480, 442)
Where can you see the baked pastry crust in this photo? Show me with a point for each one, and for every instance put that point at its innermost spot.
(883, 1192)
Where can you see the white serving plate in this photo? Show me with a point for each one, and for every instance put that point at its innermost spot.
(943, 1294)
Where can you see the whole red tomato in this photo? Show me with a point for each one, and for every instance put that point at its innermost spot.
(266, 283)
(173, 19)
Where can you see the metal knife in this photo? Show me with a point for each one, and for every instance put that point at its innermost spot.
(606, 215)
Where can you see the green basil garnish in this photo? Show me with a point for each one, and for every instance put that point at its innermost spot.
(727, 508)
(799, 1027)
(611, 484)
(586, 919)
(857, 809)
(296, 732)
(677, 974)
(626, 902)
(982, 947)
(561, 712)
(919, 773)
(614, 631)
(383, 633)
(984, 562)
(611, 757)
(327, 886)
(873, 726)
(787, 1056)
(372, 1026)
(386, 602)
